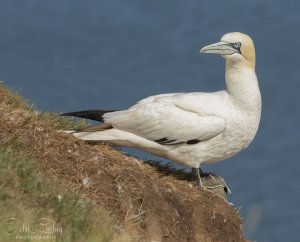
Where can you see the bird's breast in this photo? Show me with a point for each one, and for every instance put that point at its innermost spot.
(239, 132)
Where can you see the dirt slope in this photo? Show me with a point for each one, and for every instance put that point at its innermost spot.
(148, 204)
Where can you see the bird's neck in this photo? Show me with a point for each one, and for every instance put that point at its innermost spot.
(242, 84)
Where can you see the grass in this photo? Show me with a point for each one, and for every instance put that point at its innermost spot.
(27, 197)
(59, 122)
(30, 201)
(13, 102)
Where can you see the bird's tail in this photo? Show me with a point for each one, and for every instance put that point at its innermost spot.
(96, 115)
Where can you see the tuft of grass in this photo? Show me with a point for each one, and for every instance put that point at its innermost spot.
(31, 205)
(13, 102)
(237, 210)
(59, 122)
(12, 141)
(14, 99)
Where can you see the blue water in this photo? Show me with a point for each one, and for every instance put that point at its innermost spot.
(68, 55)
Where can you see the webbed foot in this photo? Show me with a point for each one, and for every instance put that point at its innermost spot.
(211, 182)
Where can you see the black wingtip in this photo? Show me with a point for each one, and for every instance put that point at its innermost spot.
(96, 115)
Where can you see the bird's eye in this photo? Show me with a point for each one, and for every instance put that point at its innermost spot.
(237, 45)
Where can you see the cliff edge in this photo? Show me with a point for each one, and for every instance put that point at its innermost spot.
(95, 192)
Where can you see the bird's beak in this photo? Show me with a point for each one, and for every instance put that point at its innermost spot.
(221, 48)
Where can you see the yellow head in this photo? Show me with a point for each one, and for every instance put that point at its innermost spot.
(235, 47)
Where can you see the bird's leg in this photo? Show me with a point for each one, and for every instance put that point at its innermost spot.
(196, 172)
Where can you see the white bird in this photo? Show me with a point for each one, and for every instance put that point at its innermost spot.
(191, 128)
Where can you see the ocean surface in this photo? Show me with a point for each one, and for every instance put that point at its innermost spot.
(68, 55)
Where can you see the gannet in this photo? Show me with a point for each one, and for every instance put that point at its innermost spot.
(191, 128)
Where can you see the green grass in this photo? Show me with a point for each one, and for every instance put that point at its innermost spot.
(59, 122)
(28, 198)
(15, 101)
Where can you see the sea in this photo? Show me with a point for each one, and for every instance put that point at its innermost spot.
(70, 55)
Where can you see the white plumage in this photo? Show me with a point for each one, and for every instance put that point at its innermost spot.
(194, 128)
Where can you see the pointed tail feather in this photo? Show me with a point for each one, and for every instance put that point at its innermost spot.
(96, 115)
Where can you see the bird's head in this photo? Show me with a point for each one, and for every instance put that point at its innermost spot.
(234, 47)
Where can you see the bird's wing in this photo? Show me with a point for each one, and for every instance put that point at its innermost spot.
(162, 119)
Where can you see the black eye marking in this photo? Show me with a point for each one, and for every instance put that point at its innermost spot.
(237, 46)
